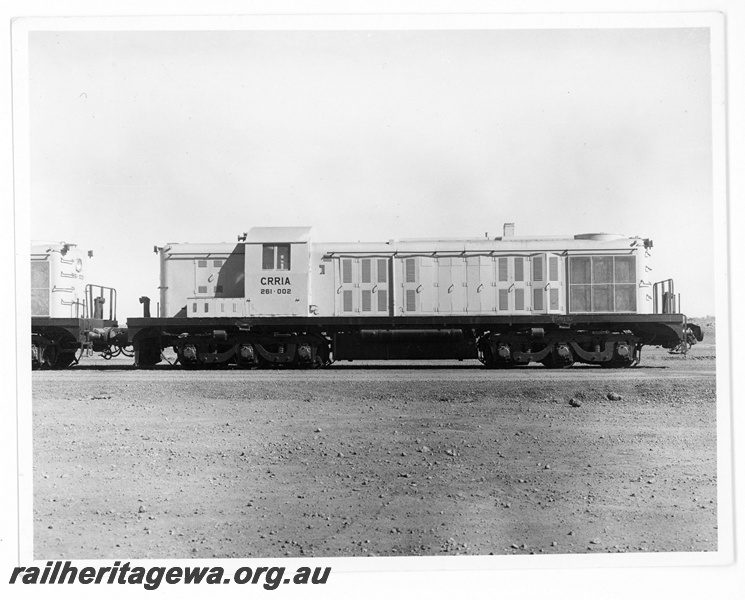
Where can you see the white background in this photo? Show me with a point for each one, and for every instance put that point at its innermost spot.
(468, 178)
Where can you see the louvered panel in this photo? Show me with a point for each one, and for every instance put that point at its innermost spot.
(504, 300)
(553, 268)
(503, 263)
(410, 270)
(346, 270)
(382, 300)
(537, 268)
(553, 299)
(347, 300)
(410, 300)
(519, 274)
(366, 270)
(519, 299)
(537, 299)
(382, 270)
(366, 300)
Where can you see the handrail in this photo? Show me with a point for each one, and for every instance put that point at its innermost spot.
(97, 296)
(665, 301)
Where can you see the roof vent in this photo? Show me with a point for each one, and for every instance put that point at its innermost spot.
(598, 237)
(509, 230)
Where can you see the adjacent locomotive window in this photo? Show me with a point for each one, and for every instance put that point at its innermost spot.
(275, 257)
(602, 284)
(217, 263)
(202, 289)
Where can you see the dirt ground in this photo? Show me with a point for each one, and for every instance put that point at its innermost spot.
(375, 459)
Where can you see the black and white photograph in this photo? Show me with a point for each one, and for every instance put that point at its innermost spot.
(324, 294)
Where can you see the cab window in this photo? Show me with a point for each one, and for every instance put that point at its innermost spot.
(275, 257)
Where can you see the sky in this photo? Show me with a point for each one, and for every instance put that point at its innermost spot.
(139, 138)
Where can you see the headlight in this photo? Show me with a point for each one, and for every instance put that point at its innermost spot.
(78, 265)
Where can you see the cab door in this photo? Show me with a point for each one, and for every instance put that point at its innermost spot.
(411, 288)
(373, 286)
(556, 283)
(347, 283)
(480, 284)
(520, 285)
(451, 285)
(512, 285)
(547, 283)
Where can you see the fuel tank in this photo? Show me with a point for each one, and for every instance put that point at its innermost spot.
(402, 344)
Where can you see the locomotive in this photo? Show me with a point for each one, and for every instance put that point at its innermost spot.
(68, 315)
(278, 298)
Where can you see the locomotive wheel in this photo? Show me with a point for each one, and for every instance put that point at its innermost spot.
(148, 353)
(618, 363)
(321, 356)
(555, 361)
(38, 348)
(48, 356)
(64, 360)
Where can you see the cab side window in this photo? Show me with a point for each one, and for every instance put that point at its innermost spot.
(275, 257)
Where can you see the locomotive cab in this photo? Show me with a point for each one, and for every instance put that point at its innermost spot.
(277, 271)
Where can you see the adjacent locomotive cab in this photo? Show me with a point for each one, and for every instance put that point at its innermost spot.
(57, 280)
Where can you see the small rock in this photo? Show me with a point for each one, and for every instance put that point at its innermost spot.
(450, 452)
(318, 430)
(613, 396)
(141, 509)
(574, 402)
(595, 541)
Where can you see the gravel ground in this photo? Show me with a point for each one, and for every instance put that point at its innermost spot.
(375, 459)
